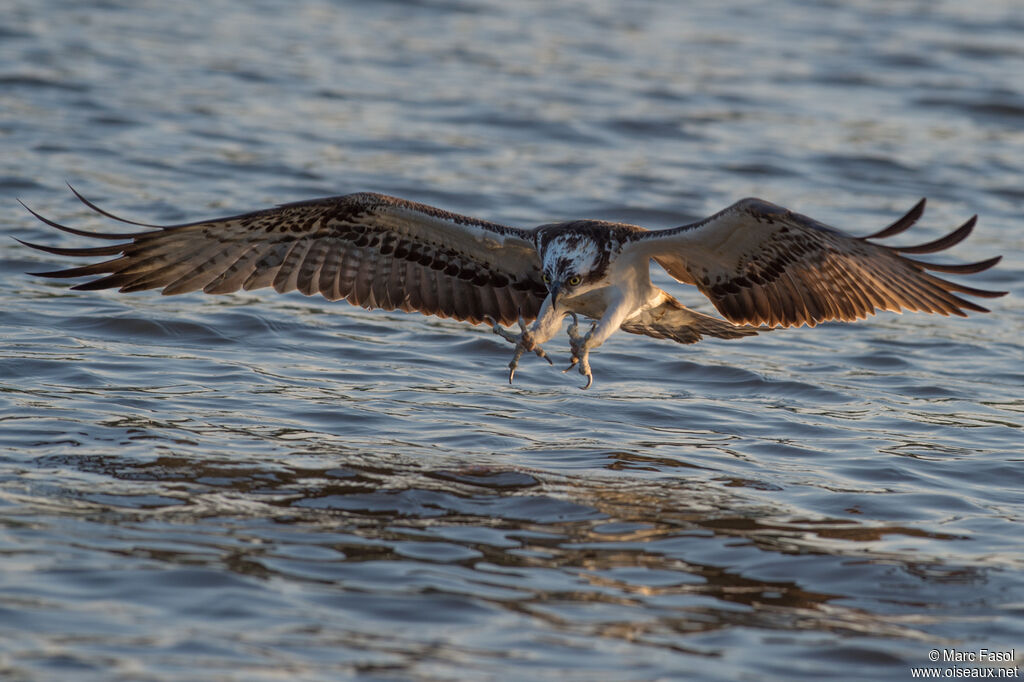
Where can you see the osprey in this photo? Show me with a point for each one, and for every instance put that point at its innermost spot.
(761, 266)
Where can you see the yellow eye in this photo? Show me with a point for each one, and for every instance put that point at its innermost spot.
(546, 277)
(574, 280)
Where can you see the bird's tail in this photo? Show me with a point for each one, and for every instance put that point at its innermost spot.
(672, 320)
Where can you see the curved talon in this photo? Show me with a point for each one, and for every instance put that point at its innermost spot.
(580, 353)
(518, 353)
(574, 335)
(523, 342)
(585, 371)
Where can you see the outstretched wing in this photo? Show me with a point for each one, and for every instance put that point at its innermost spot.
(672, 320)
(762, 264)
(373, 250)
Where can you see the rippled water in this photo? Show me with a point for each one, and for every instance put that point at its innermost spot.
(261, 487)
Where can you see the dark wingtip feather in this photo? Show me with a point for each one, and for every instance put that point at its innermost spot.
(82, 271)
(911, 217)
(49, 273)
(109, 282)
(81, 253)
(969, 305)
(105, 213)
(951, 239)
(964, 269)
(81, 233)
(971, 291)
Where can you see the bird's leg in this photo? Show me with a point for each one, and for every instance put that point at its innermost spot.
(614, 315)
(580, 350)
(575, 341)
(524, 341)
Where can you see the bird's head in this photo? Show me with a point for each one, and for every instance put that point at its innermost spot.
(573, 261)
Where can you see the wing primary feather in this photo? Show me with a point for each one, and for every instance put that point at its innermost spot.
(107, 214)
(113, 281)
(969, 305)
(163, 268)
(901, 225)
(77, 252)
(951, 239)
(192, 275)
(881, 296)
(971, 291)
(85, 270)
(938, 292)
(82, 233)
(910, 296)
(153, 264)
(965, 269)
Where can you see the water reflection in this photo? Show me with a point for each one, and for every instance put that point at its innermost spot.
(641, 562)
(267, 487)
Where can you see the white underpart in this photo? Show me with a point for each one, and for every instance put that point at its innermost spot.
(625, 291)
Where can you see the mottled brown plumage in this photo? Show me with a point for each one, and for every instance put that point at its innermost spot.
(372, 250)
(761, 265)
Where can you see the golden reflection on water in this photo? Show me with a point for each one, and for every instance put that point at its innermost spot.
(622, 547)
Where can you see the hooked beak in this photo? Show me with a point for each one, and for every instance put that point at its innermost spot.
(553, 289)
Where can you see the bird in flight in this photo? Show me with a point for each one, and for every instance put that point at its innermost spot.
(761, 265)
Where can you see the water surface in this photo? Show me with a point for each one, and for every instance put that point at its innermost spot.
(257, 486)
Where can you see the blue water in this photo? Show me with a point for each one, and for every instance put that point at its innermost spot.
(257, 487)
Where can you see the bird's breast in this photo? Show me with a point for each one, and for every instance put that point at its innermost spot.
(593, 303)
